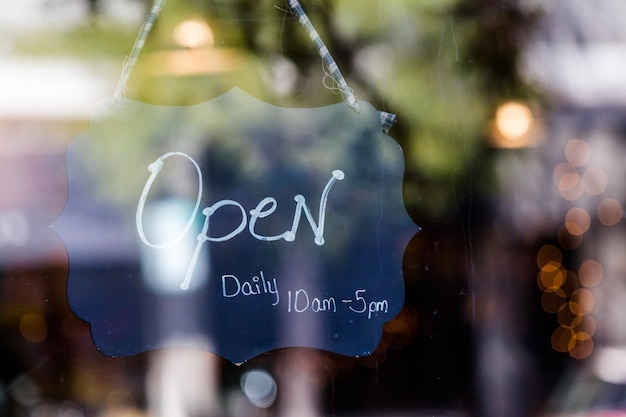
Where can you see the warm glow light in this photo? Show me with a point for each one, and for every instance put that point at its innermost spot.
(548, 253)
(577, 221)
(562, 291)
(595, 181)
(581, 345)
(559, 176)
(587, 324)
(577, 152)
(194, 61)
(33, 327)
(571, 283)
(560, 339)
(551, 277)
(567, 315)
(578, 344)
(193, 33)
(610, 212)
(572, 187)
(582, 336)
(569, 182)
(582, 301)
(590, 273)
(513, 120)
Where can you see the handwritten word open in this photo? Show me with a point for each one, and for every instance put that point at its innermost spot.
(263, 209)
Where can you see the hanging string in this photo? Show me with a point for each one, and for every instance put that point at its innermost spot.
(119, 95)
(331, 68)
(387, 120)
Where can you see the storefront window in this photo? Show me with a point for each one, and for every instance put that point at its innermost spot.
(311, 208)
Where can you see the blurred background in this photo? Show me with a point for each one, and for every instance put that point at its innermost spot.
(512, 120)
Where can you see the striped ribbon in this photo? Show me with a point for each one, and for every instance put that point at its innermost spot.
(120, 90)
(387, 120)
(329, 62)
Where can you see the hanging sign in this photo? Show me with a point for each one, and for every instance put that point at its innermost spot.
(244, 227)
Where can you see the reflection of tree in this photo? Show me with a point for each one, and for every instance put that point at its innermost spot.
(495, 49)
(501, 270)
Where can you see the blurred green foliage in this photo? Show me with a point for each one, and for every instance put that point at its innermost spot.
(441, 65)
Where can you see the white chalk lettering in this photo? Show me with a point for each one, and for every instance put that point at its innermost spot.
(257, 285)
(299, 301)
(264, 208)
(155, 168)
(371, 308)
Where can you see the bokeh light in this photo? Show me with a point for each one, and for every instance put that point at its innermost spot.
(561, 338)
(548, 254)
(571, 283)
(568, 181)
(581, 345)
(513, 120)
(577, 221)
(590, 273)
(610, 212)
(594, 181)
(582, 301)
(193, 33)
(559, 175)
(551, 276)
(259, 387)
(33, 327)
(568, 315)
(565, 293)
(609, 364)
(577, 153)
(586, 324)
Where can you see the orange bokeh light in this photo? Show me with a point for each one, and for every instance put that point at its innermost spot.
(577, 221)
(577, 152)
(610, 212)
(590, 273)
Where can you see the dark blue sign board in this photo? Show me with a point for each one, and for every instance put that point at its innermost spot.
(247, 227)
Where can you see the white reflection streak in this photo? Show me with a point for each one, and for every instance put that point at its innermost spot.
(299, 394)
(182, 382)
(300, 402)
(610, 365)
